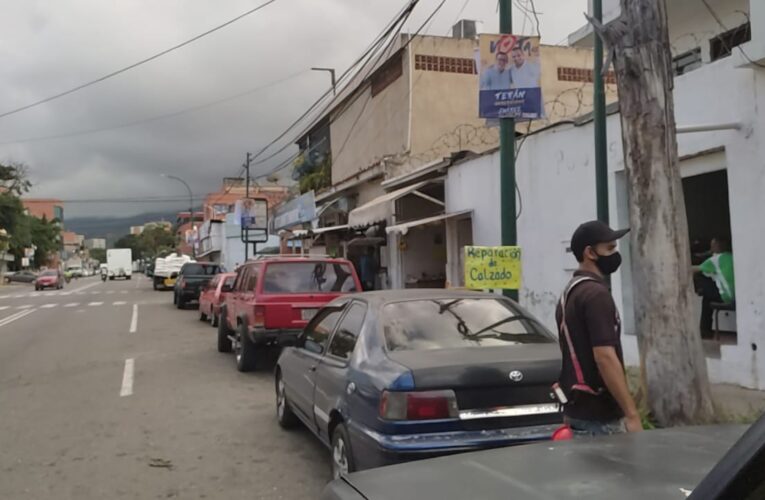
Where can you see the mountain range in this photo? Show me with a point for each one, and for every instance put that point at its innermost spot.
(113, 228)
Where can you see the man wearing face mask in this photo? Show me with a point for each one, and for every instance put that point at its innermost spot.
(592, 380)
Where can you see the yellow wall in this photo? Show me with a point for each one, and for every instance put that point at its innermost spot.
(444, 110)
(370, 127)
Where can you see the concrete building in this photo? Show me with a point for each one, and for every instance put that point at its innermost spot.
(719, 97)
(48, 208)
(94, 243)
(415, 108)
(223, 201)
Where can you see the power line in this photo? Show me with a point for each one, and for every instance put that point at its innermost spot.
(154, 118)
(722, 25)
(400, 18)
(139, 63)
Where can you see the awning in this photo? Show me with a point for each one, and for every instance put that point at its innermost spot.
(322, 230)
(381, 207)
(405, 227)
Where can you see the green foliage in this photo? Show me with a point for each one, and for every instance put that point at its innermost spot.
(98, 254)
(317, 179)
(150, 243)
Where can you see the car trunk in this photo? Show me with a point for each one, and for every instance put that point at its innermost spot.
(487, 396)
(294, 311)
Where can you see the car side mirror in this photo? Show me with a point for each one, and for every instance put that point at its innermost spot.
(311, 346)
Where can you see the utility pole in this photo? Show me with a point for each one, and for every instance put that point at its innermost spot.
(247, 162)
(599, 119)
(507, 156)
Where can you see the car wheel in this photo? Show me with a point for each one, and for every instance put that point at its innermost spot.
(342, 457)
(181, 303)
(284, 414)
(224, 343)
(244, 350)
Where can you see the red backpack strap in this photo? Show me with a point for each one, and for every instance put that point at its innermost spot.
(580, 385)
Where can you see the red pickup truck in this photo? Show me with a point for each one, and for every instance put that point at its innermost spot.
(274, 298)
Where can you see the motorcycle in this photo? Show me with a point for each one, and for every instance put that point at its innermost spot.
(103, 276)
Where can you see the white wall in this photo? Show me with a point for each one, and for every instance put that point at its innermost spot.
(556, 178)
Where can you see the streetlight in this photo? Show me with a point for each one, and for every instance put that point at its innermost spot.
(331, 74)
(191, 207)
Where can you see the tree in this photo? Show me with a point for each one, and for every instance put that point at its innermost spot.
(98, 254)
(134, 243)
(673, 366)
(150, 243)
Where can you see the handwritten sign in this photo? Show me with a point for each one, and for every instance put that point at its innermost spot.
(493, 267)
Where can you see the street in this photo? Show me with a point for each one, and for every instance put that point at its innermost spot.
(108, 391)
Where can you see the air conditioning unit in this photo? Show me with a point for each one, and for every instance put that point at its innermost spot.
(465, 29)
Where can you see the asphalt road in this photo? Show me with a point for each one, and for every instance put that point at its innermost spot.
(76, 424)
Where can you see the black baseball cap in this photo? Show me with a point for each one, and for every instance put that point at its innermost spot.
(591, 233)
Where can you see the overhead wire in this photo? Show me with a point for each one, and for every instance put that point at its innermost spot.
(136, 64)
(155, 118)
(379, 40)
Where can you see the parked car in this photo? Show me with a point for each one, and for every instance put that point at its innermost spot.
(392, 376)
(20, 277)
(213, 296)
(697, 463)
(192, 279)
(50, 279)
(274, 298)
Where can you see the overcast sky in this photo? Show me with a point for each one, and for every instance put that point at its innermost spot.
(48, 46)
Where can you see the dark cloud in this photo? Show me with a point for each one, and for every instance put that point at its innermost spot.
(48, 46)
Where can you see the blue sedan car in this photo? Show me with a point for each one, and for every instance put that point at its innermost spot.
(386, 377)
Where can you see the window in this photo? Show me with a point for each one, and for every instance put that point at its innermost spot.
(319, 330)
(213, 284)
(308, 277)
(200, 270)
(582, 75)
(58, 213)
(229, 284)
(463, 322)
(460, 65)
(388, 73)
(252, 279)
(687, 61)
(345, 338)
(241, 279)
(723, 45)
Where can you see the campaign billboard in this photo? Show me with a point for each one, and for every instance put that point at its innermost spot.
(510, 74)
(252, 213)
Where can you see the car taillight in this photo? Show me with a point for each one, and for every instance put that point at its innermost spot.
(418, 405)
(563, 433)
(259, 319)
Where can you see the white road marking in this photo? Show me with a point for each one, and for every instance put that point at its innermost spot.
(48, 306)
(72, 304)
(86, 286)
(127, 378)
(134, 319)
(94, 293)
(4, 296)
(96, 304)
(3, 308)
(119, 303)
(80, 293)
(27, 306)
(123, 291)
(14, 317)
(110, 292)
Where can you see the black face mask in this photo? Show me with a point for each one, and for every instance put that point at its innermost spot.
(608, 264)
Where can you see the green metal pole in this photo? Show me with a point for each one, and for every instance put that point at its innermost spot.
(507, 156)
(599, 118)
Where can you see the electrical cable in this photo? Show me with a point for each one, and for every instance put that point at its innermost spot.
(722, 25)
(136, 64)
(154, 118)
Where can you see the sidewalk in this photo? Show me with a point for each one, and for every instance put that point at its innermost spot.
(738, 403)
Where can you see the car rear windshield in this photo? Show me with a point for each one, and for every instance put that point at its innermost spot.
(49, 273)
(308, 277)
(200, 270)
(421, 325)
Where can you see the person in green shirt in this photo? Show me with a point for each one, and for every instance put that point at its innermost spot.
(718, 283)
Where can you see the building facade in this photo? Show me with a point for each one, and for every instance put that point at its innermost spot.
(722, 163)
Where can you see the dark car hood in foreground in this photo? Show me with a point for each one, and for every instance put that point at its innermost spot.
(663, 464)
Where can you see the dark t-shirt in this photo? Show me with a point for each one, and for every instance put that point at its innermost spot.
(593, 321)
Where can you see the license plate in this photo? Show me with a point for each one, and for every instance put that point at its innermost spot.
(169, 282)
(308, 314)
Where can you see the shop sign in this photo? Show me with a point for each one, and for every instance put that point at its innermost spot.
(493, 267)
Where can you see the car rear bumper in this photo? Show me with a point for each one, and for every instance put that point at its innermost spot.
(372, 449)
(282, 337)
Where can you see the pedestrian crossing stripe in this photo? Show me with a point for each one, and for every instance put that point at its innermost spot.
(48, 306)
